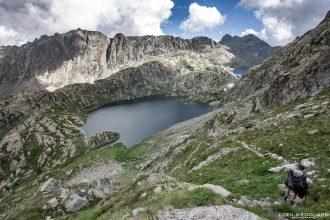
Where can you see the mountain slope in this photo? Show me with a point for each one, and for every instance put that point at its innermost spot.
(249, 48)
(233, 158)
(81, 56)
(62, 58)
(295, 71)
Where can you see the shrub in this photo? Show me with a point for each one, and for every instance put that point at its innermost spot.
(197, 197)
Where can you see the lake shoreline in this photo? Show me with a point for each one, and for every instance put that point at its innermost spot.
(136, 119)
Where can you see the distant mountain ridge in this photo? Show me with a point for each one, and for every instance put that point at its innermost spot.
(275, 117)
(249, 48)
(81, 56)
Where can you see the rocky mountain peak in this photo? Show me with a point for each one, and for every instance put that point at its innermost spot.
(249, 48)
(119, 35)
(81, 56)
(200, 42)
(225, 38)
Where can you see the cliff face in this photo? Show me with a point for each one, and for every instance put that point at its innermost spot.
(123, 50)
(249, 49)
(60, 59)
(300, 69)
(80, 56)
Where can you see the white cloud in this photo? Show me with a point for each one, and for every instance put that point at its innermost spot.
(7, 34)
(283, 20)
(31, 18)
(201, 18)
(260, 34)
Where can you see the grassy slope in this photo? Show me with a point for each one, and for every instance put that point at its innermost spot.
(288, 138)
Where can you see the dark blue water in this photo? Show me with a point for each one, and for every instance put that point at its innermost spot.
(241, 70)
(136, 120)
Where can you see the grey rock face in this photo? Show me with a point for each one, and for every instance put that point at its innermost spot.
(300, 69)
(61, 58)
(203, 82)
(81, 56)
(250, 49)
(75, 203)
(101, 139)
(50, 185)
(124, 49)
(96, 173)
(53, 203)
(223, 212)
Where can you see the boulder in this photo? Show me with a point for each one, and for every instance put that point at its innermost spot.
(53, 203)
(50, 185)
(75, 203)
(215, 188)
(158, 190)
(65, 193)
(136, 211)
(102, 139)
(222, 212)
(102, 187)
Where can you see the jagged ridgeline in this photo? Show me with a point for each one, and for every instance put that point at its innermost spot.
(249, 48)
(229, 162)
(81, 56)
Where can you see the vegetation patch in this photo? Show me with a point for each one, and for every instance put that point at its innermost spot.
(196, 198)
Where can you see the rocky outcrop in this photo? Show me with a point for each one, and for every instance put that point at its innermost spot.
(249, 49)
(215, 188)
(101, 139)
(222, 212)
(53, 203)
(53, 61)
(75, 203)
(50, 185)
(75, 195)
(204, 85)
(125, 49)
(300, 69)
(95, 173)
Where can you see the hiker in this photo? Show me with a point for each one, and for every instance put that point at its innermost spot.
(296, 182)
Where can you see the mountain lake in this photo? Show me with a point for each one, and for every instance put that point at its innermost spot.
(137, 119)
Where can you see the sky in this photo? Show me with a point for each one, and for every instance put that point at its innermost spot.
(278, 22)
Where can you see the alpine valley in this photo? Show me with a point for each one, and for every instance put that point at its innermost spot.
(227, 164)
